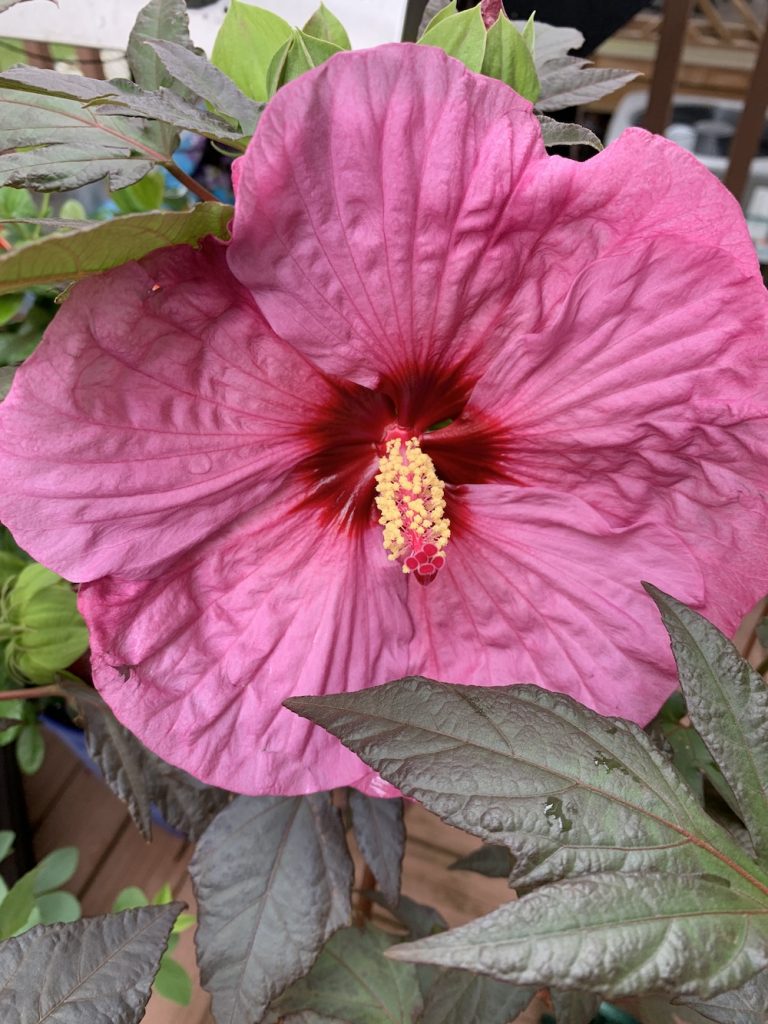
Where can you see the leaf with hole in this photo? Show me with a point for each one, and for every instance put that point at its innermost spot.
(580, 794)
(272, 877)
(91, 971)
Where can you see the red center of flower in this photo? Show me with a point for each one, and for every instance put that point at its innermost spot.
(398, 455)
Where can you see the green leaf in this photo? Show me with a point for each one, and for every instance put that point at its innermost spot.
(52, 633)
(619, 934)
(161, 19)
(325, 25)
(528, 32)
(380, 834)
(72, 209)
(48, 143)
(581, 793)
(16, 202)
(574, 1007)
(570, 82)
(461, 35)
(441, 15)
(55, 869)
(490, 860)
(137, 776)
(247, 41)
(58, 908)
(101, 245)
(689, 752)
(210, 84)
(10, 306)
(95, 970)
(6, 842)
(727, 702)
(301, 54)
(508, 58)
(353, 981)
(129, 898)
(163, 895)
(172, 982)
(272, 877)
(142, 197)
(457, 997)
(15, 910)
(557, 133)
(30, 748)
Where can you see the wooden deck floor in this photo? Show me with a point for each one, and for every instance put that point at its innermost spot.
(70, 807)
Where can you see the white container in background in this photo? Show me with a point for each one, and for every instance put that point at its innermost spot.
(105, 24)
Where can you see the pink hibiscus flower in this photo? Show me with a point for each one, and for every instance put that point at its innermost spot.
(428, 347)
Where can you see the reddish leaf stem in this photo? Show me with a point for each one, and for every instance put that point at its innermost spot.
(194, 186)
(32, 693)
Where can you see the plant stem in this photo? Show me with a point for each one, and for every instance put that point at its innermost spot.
(33, 693)
(364, 908)
(200, 190)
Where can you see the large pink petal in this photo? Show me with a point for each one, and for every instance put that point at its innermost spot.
(158, 408)
(639, 396)
(198, 661)
(409, 213)
(367, 207)
(539, 588)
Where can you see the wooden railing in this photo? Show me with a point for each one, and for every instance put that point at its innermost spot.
(675, 28)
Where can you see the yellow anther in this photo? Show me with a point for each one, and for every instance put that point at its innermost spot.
(410, 498)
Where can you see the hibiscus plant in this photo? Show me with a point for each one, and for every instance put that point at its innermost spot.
(358, 483)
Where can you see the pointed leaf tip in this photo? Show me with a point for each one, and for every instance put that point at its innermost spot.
(727, 702)
(69, 971)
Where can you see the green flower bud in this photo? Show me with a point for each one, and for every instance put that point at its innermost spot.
(486, 41)
(39, 620)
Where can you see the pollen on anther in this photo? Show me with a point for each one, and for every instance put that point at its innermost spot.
(411, 501)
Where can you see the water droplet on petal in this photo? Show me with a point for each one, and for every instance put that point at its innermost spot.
(200, 463)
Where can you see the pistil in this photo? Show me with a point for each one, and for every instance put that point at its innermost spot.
(411, 500)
